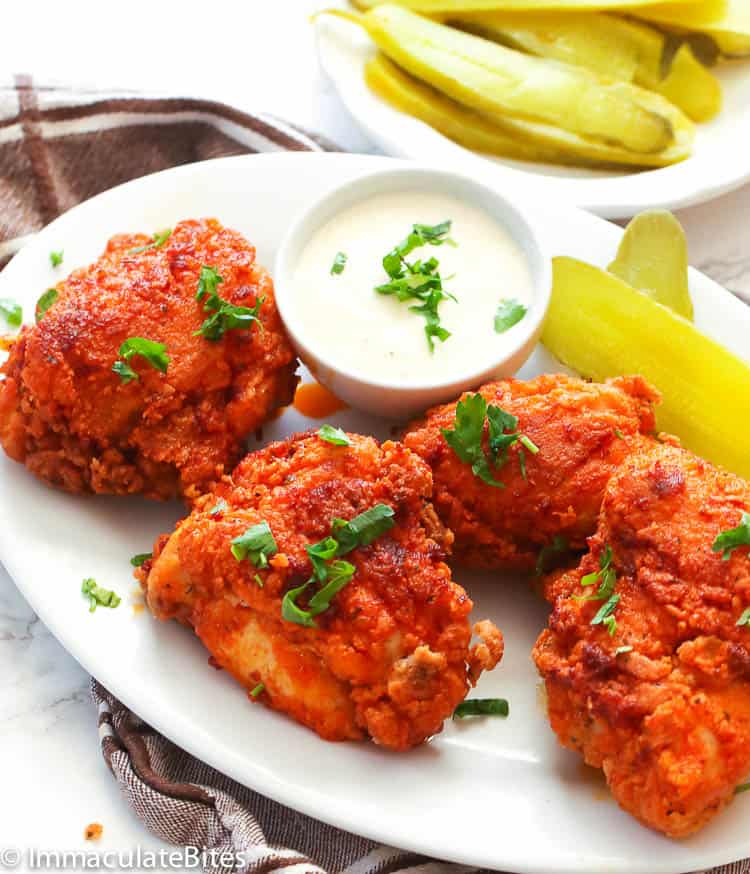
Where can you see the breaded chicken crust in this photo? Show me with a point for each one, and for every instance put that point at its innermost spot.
(392, 656)
(583, 432)
(75, 425)
(668, 716)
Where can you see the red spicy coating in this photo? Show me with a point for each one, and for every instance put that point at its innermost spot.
(392, 657)
(583, 431)
(74, 424)
(669, 720)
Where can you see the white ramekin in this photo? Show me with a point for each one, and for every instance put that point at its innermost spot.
(390, 399)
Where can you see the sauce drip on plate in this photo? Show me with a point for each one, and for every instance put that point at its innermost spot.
(315, 401)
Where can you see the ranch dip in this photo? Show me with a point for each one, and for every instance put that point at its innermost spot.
(378, 336)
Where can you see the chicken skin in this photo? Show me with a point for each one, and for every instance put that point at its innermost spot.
(388, 655)
(649, 678)
(582, 431)
(80, 426)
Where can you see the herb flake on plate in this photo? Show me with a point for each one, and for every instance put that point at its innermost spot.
(339, 263)
(11, 311)
(99, 596)
(482, 707)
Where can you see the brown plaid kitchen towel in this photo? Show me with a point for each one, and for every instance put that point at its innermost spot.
(58, 147)
(185, 802)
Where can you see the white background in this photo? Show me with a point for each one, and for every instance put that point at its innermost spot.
(258, 55)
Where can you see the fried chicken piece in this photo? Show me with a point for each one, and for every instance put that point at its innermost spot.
(661, 699)
(583, 432)
(391, 657)
(71, 420)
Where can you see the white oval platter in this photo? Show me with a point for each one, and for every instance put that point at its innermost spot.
(493, 793)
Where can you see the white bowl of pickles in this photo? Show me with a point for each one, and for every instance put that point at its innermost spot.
(617, 106)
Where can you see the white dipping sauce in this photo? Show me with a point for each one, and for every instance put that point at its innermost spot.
(345, 321)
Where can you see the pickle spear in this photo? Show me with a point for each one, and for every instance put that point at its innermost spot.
(463, 126)
(612, 46)
(520, 140)
(689, 85)
(594, 40)
(433, 7)
(653, 258)
(498, 81)
(601, 327)
(727, 22)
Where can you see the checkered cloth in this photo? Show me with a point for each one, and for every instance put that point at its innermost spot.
(57, 148)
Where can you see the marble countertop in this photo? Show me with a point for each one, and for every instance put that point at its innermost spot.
(48, 730)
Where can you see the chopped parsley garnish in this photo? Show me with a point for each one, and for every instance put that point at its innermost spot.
(44, 303)
(259, 580)
(619, 434)
(338, 574)
(509, 313)
(219, 507)
(482, 707)
(730, 540)
(419, 280)
(257, 690)
(436, 235)
(125, 372)
(604, 614)
(56, 258)
(745, 618)
(11, 311)
(138, 560)
(225, 316)
(159, 239)
(291, 612)
(98, 597)
(621, 650)
(257, 545)
(328, 571)
(155, 353)
(339, 262)
(333, 435)
(208, 281)
(420, 235)
(228, 317)
(743, 787)
(466, 438)
(547, 554)
(605, 577)
(319, 553)
(362, 529)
